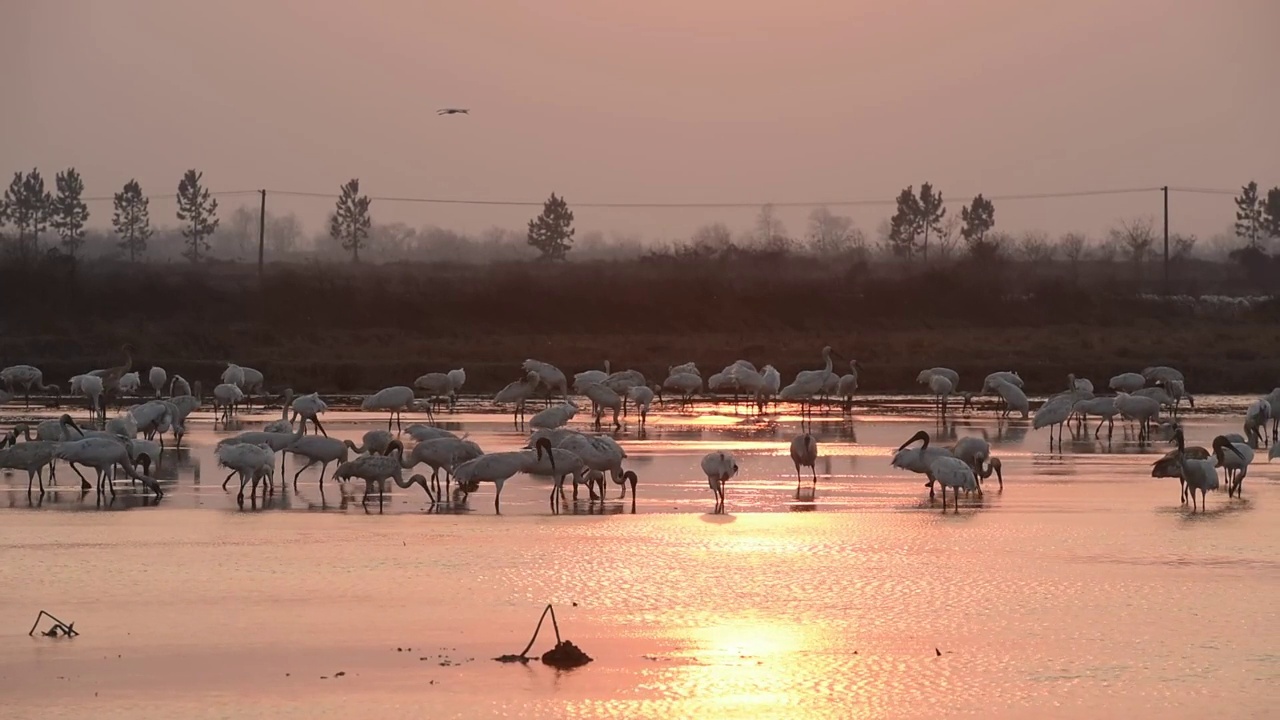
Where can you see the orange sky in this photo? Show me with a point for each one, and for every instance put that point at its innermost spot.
(662, 101)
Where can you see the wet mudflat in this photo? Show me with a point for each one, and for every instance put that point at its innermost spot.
(1084, 589)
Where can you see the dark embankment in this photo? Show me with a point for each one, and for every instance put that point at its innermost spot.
(349, 329)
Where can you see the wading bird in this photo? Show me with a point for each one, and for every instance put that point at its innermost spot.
(26, 378)
(719, 467)
(394, 399)
(157, 377)
(518, 393)
(376, 470)
(804, 451)
(952, 472)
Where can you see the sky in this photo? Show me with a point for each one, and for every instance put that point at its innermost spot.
(665, 101)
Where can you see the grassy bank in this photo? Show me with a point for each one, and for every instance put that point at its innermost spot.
(338, 329)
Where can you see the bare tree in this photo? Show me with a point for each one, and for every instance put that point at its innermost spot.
(831, 234)
(770, 231)
(1073, 247)
(712, 239)
(283, 234)
(1136, 237)
(1181, 247)
(1035, 248)
(948, 236)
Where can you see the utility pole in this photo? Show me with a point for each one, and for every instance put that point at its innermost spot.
(1165, 190)
(261, 233)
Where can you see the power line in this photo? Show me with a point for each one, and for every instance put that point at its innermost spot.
(725, 205)
(174, 196)
(1203, 191)
(862, 202)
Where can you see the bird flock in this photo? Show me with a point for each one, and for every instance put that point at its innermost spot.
(133, 441)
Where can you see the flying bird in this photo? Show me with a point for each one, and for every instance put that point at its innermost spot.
(453, 111)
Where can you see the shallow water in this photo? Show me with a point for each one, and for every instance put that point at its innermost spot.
(1084, 589)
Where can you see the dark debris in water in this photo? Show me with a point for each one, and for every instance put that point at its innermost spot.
(512, 658)
(565, 655)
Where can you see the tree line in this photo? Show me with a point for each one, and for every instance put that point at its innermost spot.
(919, 225)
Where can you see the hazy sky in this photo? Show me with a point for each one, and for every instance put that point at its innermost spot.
(656, 101)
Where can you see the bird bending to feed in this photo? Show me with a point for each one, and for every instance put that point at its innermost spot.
(952, 472)
(453, 111)
(719, 467)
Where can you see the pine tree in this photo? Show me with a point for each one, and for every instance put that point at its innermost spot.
(931, 214)
(69, 213)
(350, 221)
(131, 220)
(904, 226)
(552, 231)
(1249, 215)
(199, 211)
(27, 205)
(1271, 213)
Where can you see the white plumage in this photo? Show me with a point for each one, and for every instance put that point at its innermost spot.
(719, 467)
(395, 400)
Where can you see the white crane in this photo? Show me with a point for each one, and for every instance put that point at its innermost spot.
(622, 381)
(685, 383)
(283, 424)
(1235, 464)
(919, 459)
(442, 453)
(179, 386)
(1054, 412)
(277, 441)
(1080, 386)
(1139, 408)
(309, 407)
(599, 453)
(318, 449)
(374, 442)
(804, 452)
(435, 386)
(422, 433)
(496, 468)
(251, 384)
(1162, 374)
(1273, 400)
(1129, 382)
(719, 467)
(948, 373)
(688, 367)
(587, 378)
(31, 456)
(771, 387)
(809, 383)
(642, 396)
(129, 383)
(225, 397)
(1009, 376)
(157, 377)
(952, 472)
(459, 378)
(518, 393)
(549, 376)
(848, 385)
(603, 398)
(26, 378)
(233, 375)
(1256, 418)
(104, 454)
(376, 470)
(1170, 464)
(393, 399)
(554, 416)
(1012, 396)
(91, 387)
(1102, 407)
(251, 461)
(975, 451)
